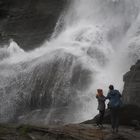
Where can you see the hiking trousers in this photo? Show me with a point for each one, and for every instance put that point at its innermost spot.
(101, 117)
(115, 118)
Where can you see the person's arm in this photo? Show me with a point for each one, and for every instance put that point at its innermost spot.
(97, 96)
(108, 96)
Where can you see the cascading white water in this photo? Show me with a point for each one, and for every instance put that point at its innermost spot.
(110, 26)
(100, 37)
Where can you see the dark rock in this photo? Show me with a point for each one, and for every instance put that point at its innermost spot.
(131, 92)
(67, 132)
(136, 124)
(28, 22)
(128, 113)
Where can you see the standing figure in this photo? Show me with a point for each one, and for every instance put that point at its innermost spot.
(114, 105)
(101, 107)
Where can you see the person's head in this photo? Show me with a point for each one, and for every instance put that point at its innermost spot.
(100, 92)
(111, 87)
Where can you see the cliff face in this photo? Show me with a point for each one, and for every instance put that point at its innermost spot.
(28, 22)
(131, 93)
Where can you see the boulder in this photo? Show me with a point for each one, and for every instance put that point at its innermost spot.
(131, 92)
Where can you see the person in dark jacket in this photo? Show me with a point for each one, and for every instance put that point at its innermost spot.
(101, 107)
(114, 105)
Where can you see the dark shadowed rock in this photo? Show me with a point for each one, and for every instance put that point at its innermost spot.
(136, 124)
(128, 114)
(131, 92)
(28, 22)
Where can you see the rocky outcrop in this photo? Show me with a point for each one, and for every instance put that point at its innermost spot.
(28, 22)
(68, 132)
(131, 92)
(128, 115)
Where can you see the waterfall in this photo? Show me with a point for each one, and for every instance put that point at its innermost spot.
(94, 43)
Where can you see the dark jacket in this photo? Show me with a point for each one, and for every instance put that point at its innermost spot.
(114, 97)
(101, 102)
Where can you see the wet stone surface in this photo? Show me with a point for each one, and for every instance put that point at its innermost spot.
(67, 132)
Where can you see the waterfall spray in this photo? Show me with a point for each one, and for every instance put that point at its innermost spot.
(94, 43)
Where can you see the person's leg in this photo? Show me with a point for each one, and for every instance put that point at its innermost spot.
(102, 116)
(117, 116)
(112, 112)
(98, 119)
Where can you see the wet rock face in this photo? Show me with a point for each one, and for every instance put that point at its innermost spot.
(28, 22)
(131, 92)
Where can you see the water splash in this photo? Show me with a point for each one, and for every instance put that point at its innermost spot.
(94, 43)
